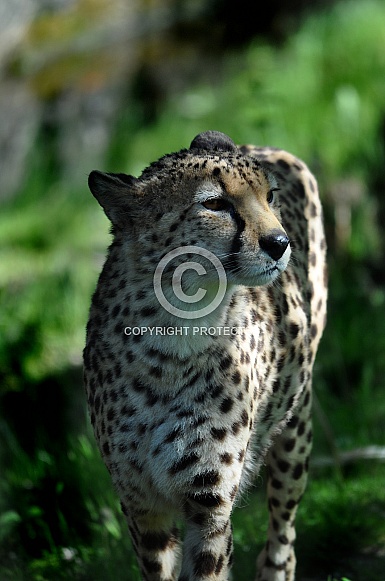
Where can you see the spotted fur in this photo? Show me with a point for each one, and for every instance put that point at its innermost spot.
(183, 420)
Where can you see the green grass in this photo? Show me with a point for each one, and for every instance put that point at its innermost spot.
(51, 249)
(340, 527)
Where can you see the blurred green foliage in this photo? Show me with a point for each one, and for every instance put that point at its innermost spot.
(321, 95)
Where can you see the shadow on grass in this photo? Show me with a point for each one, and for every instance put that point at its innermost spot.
(340, 528)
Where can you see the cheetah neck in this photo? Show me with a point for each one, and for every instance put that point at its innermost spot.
(192, 330)
(180, 317)
(189, 332)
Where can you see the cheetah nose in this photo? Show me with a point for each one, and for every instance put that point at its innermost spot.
(274, 243)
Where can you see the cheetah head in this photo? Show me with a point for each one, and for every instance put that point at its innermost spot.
(210, 196)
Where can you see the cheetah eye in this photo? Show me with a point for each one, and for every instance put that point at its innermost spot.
(216, 204)
(270, 196)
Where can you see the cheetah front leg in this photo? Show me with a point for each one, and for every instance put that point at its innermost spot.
(287, 463)
(155, 539)
(208, 543)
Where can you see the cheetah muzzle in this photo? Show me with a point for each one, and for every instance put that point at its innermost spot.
(186, 407)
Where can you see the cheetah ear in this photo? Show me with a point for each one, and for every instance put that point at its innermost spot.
(112, 191)
(213, 141)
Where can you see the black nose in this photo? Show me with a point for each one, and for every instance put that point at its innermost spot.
(274, 243)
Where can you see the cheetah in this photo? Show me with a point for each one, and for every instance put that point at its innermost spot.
(190, 395)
